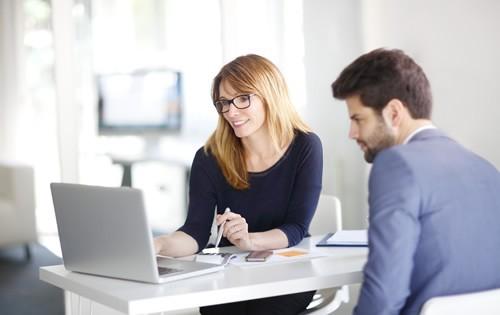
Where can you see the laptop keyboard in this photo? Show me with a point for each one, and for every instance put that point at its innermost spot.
(166, 270)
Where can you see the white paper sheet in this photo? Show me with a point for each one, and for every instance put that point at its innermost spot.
(349, 237)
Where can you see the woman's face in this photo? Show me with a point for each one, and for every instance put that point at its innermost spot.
(246, 122)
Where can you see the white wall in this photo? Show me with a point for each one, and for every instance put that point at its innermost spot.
(332, 31)
(11, 25)
(456, 43)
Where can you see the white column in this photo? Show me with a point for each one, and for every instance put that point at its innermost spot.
(68, 110)
(11, 41)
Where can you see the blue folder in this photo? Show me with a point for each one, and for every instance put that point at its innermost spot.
(325, 243)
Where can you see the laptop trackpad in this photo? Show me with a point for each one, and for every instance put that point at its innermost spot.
(167, 271)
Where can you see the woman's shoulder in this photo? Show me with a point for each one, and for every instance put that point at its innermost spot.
(203, 157)
(307, 139)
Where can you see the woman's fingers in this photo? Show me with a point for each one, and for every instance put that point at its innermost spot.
(238, 235)
(236, 229)
(232, 223)
(226, 216)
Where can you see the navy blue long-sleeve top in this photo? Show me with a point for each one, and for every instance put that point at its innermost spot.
(284, 196)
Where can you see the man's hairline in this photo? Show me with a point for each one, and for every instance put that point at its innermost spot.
(377, 111)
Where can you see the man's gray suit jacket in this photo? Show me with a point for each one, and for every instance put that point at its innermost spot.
(434, 225)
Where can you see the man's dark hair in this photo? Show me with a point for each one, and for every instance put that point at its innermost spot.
(382, 75)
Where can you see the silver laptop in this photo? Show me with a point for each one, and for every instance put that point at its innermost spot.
(104, 231)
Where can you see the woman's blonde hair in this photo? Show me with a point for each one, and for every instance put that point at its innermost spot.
(252, 74)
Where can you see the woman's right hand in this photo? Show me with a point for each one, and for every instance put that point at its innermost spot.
(236, 230)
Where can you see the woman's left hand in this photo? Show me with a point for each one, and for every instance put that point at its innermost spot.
(236, 230)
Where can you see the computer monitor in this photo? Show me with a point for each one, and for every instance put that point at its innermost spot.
(144, 102)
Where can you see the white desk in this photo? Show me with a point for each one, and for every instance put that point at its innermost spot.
(343, 266)
(176, 151)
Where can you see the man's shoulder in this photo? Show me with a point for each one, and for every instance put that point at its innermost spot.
(430, 152)
(400, 162)
(425, 143)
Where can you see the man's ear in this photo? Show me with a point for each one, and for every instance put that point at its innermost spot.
(394, 112)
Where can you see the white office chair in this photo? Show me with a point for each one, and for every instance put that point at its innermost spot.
(328, 218)
(483, 302)
(17, 205)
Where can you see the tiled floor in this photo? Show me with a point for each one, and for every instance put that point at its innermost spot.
(21, 291)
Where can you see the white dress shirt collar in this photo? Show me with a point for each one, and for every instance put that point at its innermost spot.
(431, 126)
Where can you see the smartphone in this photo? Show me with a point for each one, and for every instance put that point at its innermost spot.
(260, 255)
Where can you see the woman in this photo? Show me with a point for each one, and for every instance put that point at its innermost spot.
(262, 162)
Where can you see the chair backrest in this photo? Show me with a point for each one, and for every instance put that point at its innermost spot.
(326, 219)
(328, 216)
(17, 203)
(483, 302)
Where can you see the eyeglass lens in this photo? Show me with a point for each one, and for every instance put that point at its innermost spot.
(240, 102)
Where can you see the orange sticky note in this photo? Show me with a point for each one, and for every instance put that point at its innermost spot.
(292, 253)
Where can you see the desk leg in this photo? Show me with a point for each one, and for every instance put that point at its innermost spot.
(67, 303)
(76, 305)
(79, 305)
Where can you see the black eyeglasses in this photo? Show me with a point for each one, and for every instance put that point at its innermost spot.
(240, 102)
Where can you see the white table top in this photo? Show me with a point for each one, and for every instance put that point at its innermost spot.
(342, 266)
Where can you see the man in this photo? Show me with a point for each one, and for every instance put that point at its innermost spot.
(434, 206)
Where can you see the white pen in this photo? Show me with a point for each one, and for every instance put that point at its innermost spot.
(221, 229)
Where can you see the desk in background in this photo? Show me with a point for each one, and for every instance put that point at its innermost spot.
(174, 151)
(343, 266)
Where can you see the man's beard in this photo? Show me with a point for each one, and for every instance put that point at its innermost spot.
(382, 138)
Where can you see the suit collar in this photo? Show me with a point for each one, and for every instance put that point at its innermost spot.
(416, 131)
(428, 133)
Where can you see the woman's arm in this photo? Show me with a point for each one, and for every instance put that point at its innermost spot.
(193, 235)
(272, 239)
(306, 191)
(176, 244)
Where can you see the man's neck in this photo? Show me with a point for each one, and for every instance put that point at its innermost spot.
(410, 127)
